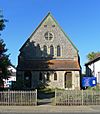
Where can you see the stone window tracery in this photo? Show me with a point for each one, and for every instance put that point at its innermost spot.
(48, 35)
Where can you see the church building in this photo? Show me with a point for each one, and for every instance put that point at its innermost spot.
(48, 58)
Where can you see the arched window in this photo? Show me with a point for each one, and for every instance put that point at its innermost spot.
(58, 51)
(51, 50)
(40, 76)
(27, 79)
(45, 50)
(48, 77)
(55, 76)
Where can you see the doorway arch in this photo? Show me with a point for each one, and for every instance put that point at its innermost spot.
(68, 80)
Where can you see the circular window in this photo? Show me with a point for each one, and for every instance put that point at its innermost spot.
(48, 35)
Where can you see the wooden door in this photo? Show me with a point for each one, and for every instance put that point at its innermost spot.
(68, 80)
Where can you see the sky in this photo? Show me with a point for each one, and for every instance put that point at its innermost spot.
(80, 20)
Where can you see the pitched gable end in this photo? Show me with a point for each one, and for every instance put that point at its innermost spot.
(48, 16)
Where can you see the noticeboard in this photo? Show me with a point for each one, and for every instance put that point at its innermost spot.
(89, 81)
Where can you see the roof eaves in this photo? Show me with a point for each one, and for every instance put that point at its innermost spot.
(92, 61)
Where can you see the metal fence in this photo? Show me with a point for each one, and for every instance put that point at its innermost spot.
(79, 97)
(18, 97)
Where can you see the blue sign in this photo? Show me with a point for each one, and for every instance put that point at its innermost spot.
(89, 81)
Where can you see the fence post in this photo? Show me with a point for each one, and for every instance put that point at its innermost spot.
(91, 97)
(8, 96)
(21, 92)
(68, 97)
(82, 97)
(55, 96)
(99, 96)
(36, 97)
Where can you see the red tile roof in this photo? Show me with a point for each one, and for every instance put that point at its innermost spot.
(49, 65)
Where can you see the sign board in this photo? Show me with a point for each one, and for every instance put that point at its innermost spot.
(89, 81)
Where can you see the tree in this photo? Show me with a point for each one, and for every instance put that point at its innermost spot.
(4, 58)
(2, 25)
(93, 55)
(2, 20)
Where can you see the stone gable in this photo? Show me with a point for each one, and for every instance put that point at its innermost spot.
(37, 40)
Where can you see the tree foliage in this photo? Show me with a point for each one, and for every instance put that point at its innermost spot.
(4, 58)
(2, 20)
(2, 25)
(93, 55)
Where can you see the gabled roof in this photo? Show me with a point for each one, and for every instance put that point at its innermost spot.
(97, 58)
(49, 14)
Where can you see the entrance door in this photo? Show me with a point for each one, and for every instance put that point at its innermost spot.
(68, 80)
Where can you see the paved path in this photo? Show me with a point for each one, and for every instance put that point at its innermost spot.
(48, 109)
(45, 97)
